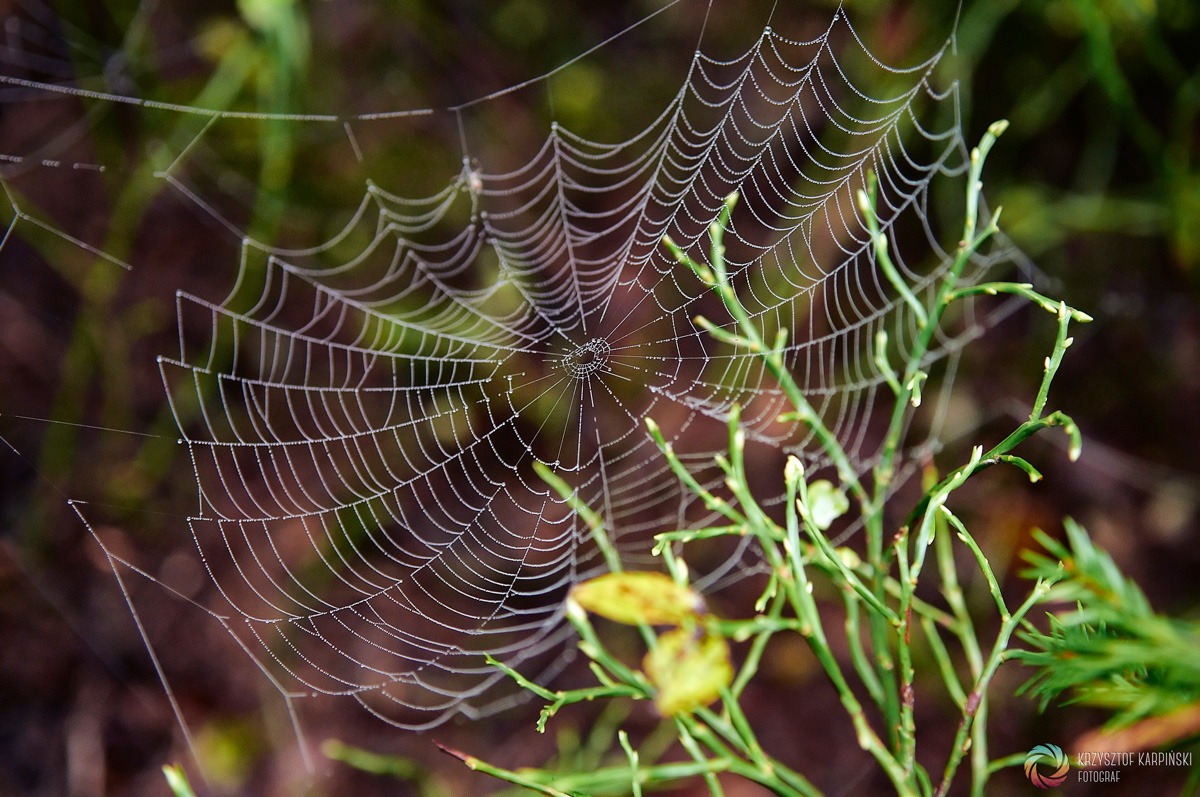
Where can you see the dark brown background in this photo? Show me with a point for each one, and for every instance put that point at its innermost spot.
(1098, 175)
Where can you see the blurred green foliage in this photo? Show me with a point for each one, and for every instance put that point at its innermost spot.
(1105, 96)
(1110, 649)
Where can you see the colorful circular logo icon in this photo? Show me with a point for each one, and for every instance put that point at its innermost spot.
(1046, 766)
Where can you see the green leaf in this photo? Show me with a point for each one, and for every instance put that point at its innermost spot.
(826, 503)
(635, 598)
(689, 669)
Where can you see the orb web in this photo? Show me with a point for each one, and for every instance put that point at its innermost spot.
(362, 415)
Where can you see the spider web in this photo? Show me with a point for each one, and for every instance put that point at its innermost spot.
(363, 414)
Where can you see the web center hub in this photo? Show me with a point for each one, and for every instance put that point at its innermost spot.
(588, 358)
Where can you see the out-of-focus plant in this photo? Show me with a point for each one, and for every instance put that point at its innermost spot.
(1112, 650)
(177, 781)
(259, 68)
(1113, 80)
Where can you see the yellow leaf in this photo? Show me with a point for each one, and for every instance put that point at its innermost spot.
(639, 597)
(688, 668)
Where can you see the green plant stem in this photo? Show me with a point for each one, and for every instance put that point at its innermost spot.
(858, 653)
(635, 776)
(969, 639)
(754, 656)
(1062, 342)
(689, 743)
(906, 732)
(594, 522)
(800, 592)
(879, 241)
(897, 711)
(760, 768)
(177, 781)
(968, 246)
(751, 339)
(978, 695)
(945, 665)
(994, 456)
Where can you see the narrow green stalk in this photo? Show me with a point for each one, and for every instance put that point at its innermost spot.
(594, 522)
(742, 726)
(867, 206)
(689, 744)
(884, 365)
(969, 639)
(980, 559)
(964, 626)
(814, 633)
(970, 243)
(594, 649)
(906, 732)
(711, 502)
(910, 574)
(1014, 760)
(617, 780)
(635, 777)
(1053, 361)
(858, 653)
(177, 781)
(995, 455)
(516, 778)
(751, 339)
(945, 665)
(1022, 289)
(978, 694)
(892, 704)
(754, 655)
